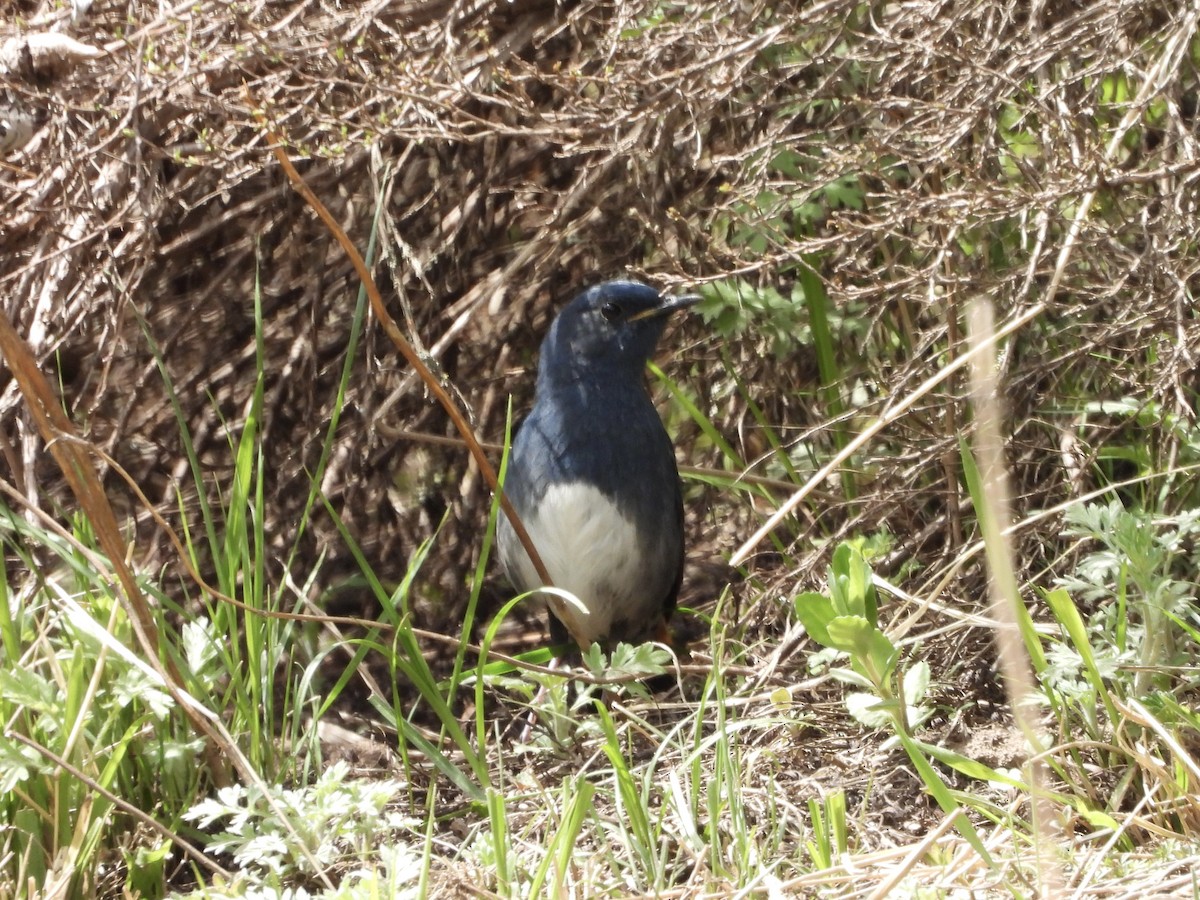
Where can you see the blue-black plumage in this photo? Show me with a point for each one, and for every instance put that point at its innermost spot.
(592, 471)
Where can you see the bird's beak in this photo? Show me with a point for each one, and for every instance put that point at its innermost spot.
(667, 306)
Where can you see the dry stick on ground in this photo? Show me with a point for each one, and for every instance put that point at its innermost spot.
(994, 515)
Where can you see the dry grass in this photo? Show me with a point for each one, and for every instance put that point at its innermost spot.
(915, 154)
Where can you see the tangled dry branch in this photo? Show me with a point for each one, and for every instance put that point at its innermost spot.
(502, 154)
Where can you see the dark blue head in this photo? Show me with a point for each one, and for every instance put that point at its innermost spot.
(609, 330)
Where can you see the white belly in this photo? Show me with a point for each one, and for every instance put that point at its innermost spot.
(591, 551)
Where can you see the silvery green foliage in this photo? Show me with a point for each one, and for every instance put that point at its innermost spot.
(330, 823)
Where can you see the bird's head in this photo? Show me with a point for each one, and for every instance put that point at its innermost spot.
(609, 329)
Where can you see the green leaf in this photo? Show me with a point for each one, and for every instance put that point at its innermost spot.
(916, 683)
(815, 612)
(970, 767)
(870, 710)
(850, 584)
(1068, 617)
(1095, 817)
(937, 788)
(871, 651)
(849, 676)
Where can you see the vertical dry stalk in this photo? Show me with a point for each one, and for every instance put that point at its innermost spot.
(994, 516)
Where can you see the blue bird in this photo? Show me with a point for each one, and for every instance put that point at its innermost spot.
(592, 472)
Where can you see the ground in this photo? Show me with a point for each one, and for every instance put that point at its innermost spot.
(843, 184)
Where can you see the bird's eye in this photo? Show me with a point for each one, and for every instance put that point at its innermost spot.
(610, 311)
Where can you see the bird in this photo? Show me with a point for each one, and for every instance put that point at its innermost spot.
(592, 475)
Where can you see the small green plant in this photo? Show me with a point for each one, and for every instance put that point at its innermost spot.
(733, 307)
(829, 833)
(1124, 668)
(1134, 578)
(281, 836)
(846, 620)
(80, 711)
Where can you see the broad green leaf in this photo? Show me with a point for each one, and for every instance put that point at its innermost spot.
(916, 683)
(871, 711)
(871, 651)
(815, 612)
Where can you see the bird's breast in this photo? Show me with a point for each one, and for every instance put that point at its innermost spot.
(596, 553)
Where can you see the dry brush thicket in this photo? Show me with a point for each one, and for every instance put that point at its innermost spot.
(917, 154)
